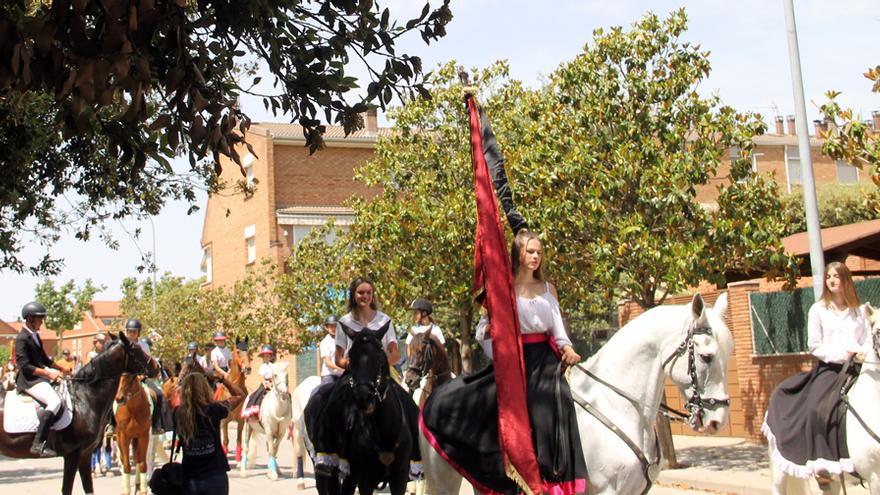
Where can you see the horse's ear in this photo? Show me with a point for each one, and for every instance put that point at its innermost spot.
(124, 339)
(721, 305)
(348, 331)
(697, 306)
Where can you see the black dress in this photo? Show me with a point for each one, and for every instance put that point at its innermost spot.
(460, 418)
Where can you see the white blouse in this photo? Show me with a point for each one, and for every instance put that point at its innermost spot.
(832, 335)
(377, 322)
(539, 314)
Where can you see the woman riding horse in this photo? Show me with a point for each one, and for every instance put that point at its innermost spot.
(461, 418)
(332, 399)
(804, 423)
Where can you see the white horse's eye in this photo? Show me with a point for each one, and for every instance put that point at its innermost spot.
(707, 358)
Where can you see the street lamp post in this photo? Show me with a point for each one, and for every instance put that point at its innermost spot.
(155, 263)
(814, 232)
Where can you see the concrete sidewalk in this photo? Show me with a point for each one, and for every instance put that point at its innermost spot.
(727, 465)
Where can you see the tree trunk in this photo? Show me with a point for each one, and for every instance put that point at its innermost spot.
(664, 434)
(465, 317)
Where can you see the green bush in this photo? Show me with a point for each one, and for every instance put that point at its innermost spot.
(838, 205)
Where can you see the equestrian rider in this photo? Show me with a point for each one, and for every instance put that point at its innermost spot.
(221, 355)
(98, 343)
(66, 362)
(133, 329)
(36, 373)
(423, 322)
(267, 373)
(330, 372)
(192, 350)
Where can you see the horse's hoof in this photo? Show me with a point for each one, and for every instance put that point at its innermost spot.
(272, 475)
(300, 485)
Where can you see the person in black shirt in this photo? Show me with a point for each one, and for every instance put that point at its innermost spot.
(198, 427)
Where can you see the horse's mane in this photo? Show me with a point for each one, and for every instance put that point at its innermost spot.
(89, 370)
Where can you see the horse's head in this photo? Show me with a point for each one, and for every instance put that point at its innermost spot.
(425, 354)
(242, 357)
(125, 388)
(368, 365)
(134, 360)
(280, 378)
(699, 364)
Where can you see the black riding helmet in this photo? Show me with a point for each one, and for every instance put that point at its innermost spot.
(331, 320)
(133, 324)
(32, 308)
(422, 305)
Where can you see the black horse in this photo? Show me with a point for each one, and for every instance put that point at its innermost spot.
(92, 390)
(374, 421)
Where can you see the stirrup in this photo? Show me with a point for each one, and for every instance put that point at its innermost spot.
(43, 451)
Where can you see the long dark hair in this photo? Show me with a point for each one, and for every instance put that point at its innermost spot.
(352, 304)
(520, 241)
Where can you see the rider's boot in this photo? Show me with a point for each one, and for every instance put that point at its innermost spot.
(39, 447)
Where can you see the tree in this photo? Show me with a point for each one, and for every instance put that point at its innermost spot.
(116, 88)
(838, 205)
(176, 311)
(66, 305)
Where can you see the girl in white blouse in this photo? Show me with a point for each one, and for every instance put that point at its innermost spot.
(804, 419)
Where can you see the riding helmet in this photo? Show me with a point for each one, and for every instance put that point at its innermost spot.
(267, 349)
(100, 337)
(331, 320)
(219, 335)
(32, 308)
(133, 324)
(422, 305)
(192, 346)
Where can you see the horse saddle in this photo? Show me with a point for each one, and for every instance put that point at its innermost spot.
(20, 411)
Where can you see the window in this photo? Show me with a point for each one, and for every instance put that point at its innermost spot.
(107, 321)
(250, 240)
(207, 265)
(793, 166)
(846, 173)
(248, 163)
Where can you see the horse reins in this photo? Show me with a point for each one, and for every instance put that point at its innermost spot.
(695, 406)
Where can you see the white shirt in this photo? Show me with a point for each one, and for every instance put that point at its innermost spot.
(328, 349)
(144, 346)
(832, 335)
(267, 371)
(203, 361)
(221, 356)
(539, 314)
(377, 322)
(435, 331)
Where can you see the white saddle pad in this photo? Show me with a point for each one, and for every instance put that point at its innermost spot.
(20, 412)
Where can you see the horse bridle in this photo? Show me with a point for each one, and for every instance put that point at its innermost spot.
(426, 355)
(376, 384)
(696, 403)
(99, 367)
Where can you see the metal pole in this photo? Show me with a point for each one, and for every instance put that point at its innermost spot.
(817, 256)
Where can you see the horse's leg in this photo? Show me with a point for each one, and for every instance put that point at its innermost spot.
(398, 479)
(71, 464)
(142, 445)
(245, 458)
(348, 486)
(239, 423)
(85, 473)
(252, 445)
(124, 465)
(298, 453)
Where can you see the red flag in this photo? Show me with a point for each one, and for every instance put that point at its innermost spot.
(492, 273)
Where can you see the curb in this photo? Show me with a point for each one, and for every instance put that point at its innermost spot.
(713, 481)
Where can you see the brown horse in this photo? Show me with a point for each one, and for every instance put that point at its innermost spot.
(427, 358)
(92, 390)
(133, 430)
(239, 368)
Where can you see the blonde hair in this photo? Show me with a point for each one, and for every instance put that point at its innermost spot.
(520, 241)
(195, 396)
(846, 283)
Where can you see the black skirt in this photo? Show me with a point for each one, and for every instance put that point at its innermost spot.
(460, 419)
(805, 423)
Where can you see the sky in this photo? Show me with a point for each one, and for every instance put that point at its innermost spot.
(750, 71)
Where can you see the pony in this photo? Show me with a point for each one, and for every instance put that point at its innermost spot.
(378, 443)
(133, 431)
(239, 368)
(689, 344)
(862, 425)
(296, 432)
(275, 417)
(429, 365)
(92, 391)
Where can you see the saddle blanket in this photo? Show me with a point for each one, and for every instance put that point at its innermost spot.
(20, 412)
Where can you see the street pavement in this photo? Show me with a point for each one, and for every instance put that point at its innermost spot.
(714, 465)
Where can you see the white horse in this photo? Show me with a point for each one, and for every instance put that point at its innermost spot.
(862, 428)
(689, 344)
(301, 395)
(275, 414)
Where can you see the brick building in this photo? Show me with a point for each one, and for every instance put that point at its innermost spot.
(778, 153)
